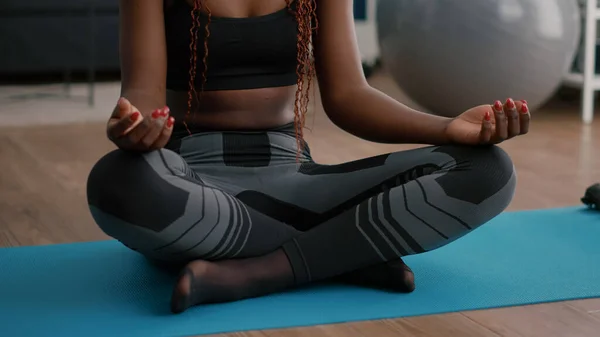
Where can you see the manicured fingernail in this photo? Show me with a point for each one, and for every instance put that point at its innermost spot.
(510, 103)
(134, 116)
(487, 116)
(170, 122)
(523, 101)
(498, 106)
(156, 113)
(524, 108)
(166, 110)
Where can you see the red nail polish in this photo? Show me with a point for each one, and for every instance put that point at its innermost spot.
(166, 110)
(510, 103)
(156, 113)
(523, 101)
(524, 108)
(487, 116)
(170, 122)
(134, 116)
(498, 106)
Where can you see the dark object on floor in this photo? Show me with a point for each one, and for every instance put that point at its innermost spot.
(592, 197)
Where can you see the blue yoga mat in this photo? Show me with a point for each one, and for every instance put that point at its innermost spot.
(103, 289)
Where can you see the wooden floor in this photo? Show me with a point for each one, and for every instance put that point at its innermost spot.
(42, 201)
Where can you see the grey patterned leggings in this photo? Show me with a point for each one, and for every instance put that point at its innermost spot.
(224, 195)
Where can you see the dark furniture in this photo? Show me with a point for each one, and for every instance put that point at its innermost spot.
(58, 36)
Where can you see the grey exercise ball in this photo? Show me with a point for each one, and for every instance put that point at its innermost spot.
(451, 55)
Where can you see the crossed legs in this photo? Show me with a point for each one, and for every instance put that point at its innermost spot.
(310, 223)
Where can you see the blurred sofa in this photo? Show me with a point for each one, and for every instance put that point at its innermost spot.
(53, 36)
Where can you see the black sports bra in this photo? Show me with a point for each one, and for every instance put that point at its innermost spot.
(243, 53)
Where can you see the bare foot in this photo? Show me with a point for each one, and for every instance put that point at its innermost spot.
(392, 276)
(203, 282)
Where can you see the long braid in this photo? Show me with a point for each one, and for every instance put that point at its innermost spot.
(193, 62)
(305, 15)
(206, 36)
(192, 93)
(306, 18)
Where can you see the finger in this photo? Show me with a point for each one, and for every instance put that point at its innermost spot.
(512, 114)
(165, 135)
(120, 127)
(125, 117)
(124, 108)
(140, 131)
(485, 135)
(158, 119)
(500, 122)
(524, 118)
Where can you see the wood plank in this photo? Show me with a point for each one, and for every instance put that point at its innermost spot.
(549, 320)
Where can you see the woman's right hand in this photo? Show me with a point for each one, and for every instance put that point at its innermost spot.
(130, 130)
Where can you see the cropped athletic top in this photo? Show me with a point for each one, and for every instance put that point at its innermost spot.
(243, 53)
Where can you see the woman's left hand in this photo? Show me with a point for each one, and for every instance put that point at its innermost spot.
(490, 124)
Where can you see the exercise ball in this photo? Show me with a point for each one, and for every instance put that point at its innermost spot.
(451, 55)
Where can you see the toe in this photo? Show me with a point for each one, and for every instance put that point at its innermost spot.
(406, 276)
(400, 277)
(182, 293)
(409, 280)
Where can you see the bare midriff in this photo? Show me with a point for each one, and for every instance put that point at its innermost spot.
(235, 109)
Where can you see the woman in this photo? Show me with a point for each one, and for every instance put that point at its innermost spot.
(221, 181)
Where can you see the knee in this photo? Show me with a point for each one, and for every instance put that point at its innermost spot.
(133, 193)
(120, 172)
(114, 173)
(481, 173)
(492, 162)
(496, 172)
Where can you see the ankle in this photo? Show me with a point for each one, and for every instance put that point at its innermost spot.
(230, 280)
(274, 266)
